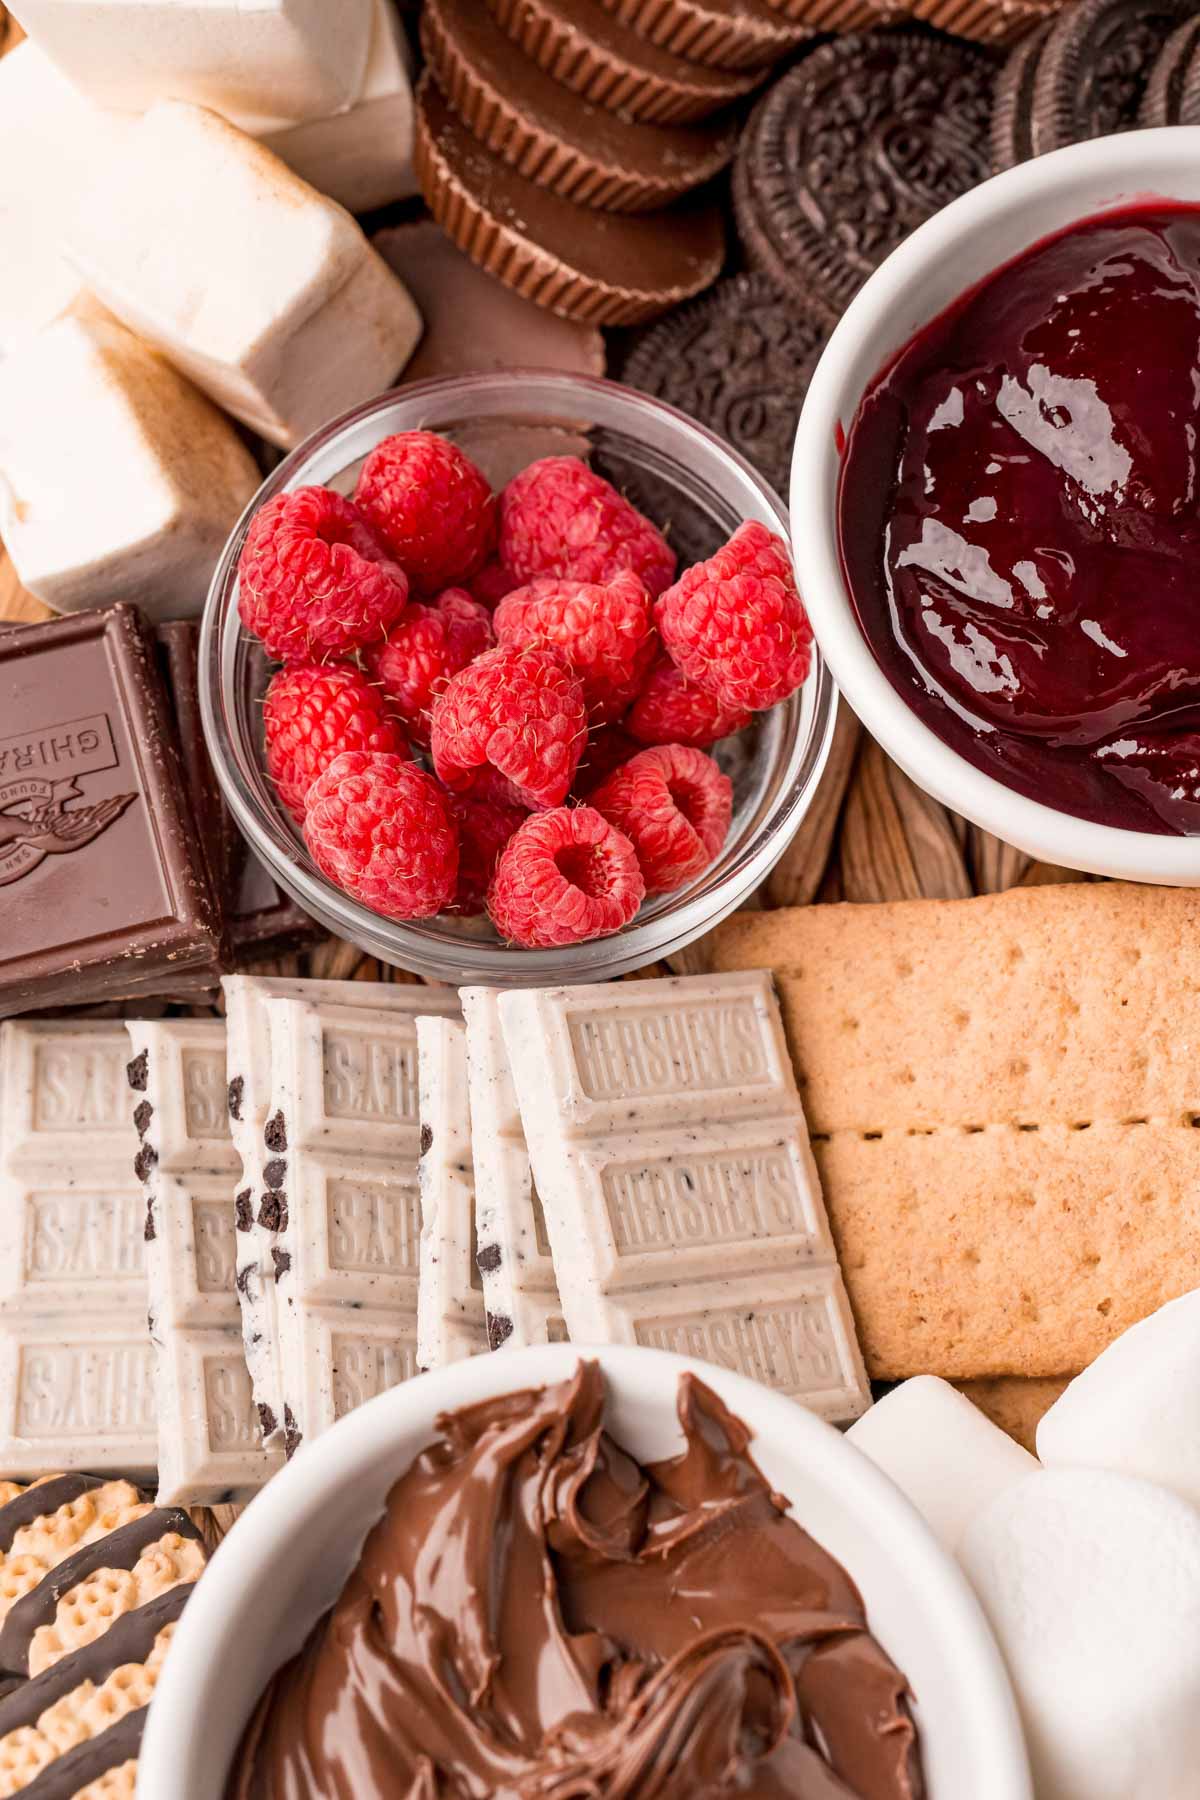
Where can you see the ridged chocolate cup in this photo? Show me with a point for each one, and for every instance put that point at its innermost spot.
(537, 126)
(601, 60)
(839, 15)
(605, 268)
(987, 21)
(723, 34)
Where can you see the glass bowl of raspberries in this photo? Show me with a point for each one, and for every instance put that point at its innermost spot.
(506, 679)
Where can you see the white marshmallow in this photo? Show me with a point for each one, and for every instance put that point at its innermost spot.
(118, 480)
(361, 157)
(1092, 1585)
(272, 59)
(48, 133)
(942, 1452)
(1137, 1408)
(263, 291)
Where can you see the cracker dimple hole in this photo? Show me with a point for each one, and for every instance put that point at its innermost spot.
(1104, 1307)
(871, 1137)
(849, 1024)
(904, 968)
(1028, 1127)
(961, 1019)
(1090, 1261)
(973, 1130)
(1082, 1125)
(1135, 1121)
(971, 1256)
(906, 1077)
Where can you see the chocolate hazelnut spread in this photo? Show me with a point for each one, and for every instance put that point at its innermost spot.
(1020, 520)
(538, 1616)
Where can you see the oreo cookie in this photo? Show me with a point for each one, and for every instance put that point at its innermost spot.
(1172, 95)
(1087, 76)
(739, 359)
(855, 146)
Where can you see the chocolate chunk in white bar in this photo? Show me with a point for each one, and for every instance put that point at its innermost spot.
(323, 325)
(520, 1290)
(346, 1096)
(210, 1447)
(681, 1198)
(76, 1366)
(451, 1322)
(277, 59)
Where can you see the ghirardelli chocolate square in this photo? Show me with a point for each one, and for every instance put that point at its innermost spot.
(104, 891)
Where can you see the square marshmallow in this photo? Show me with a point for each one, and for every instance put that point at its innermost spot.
(263, 291)
(118, 480)
(275, 59)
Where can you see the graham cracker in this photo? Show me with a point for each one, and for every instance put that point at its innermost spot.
(1014, 1403)
(1004, 1100)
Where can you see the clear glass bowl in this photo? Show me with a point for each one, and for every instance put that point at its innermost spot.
(682, 476)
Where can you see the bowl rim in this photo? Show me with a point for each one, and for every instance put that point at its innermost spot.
(359, 1441)
(1140, 162)
(645, 940)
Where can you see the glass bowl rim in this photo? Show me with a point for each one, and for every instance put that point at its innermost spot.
(405, 942)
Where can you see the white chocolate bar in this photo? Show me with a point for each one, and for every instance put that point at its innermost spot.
(210, 1447)
(138, 497)
(450, 1317)
(680, 1194)
(361, 156)
(519, 1287)
(346, 1098)
(259, 288)
(76, 1365)
(248, 1066)
(277, 59)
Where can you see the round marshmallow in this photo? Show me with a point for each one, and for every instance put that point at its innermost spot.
(1092, 1584)
(1136, 1410)
(941, 1451)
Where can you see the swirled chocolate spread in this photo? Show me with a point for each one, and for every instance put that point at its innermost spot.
(537, 1616)
(1020, 521)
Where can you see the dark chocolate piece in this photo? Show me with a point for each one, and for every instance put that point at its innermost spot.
(1094, 68)
(606, 63)
(426, 1139)
(852, 149)
(739, 359)
(499, 1330)
(137, 1073)
(607, 268)
(237, 1088)
(40, 1501)
(106, 891)
(537, 126)
(120, 1549)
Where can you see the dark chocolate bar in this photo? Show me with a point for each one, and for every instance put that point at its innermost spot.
(105, 890)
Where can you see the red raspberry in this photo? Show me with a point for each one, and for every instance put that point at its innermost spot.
(312, 713)
(492, 582)
(736, 624)
(431, 505)
(605, 750)
(674, 805)
(315, 579)
(522, 711)
(566, 876)
(425, 646)
(605, 632)
(483, 831)
(672, 710)
(558, 517)
(381, 829)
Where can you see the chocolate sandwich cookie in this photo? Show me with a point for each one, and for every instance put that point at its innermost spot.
(605, 268)
(852, 149)
(726, 34)
(537, 126)
(94, 1579)
(738, 359)
(597, 57)
(1012, 107)
(1172, 95)
(1094, 67)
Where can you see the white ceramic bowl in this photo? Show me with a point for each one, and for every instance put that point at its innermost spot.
(951, 252)
(286, 1560)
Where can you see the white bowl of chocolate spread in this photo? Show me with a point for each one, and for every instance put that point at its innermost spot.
(562, 1574)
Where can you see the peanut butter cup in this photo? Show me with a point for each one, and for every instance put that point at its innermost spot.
(726, 34)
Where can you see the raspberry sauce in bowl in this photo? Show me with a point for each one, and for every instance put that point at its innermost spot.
(1019, 521)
